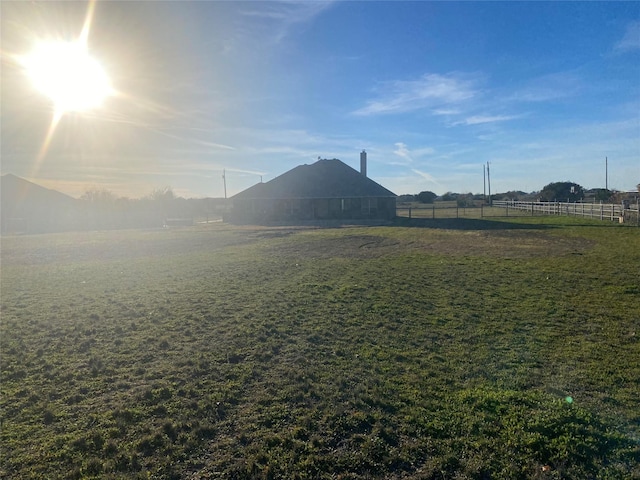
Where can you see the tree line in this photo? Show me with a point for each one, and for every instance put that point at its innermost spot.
(553, 192)
(103, 209)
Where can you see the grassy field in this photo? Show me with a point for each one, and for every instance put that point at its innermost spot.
(485, 349)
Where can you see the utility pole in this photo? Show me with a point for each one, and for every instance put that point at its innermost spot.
(489, 182)
(224, 182)
(606, 173)
(484, 182)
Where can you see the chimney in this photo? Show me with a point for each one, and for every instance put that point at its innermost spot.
(363, 163)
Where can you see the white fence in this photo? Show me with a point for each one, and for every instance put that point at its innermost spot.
(623, 213)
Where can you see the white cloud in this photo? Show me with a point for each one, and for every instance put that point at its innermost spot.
(446, 111)
(548, 87)
(419, 152)
(631, 39)
(411, 182)
(428, 177)
(479, 119)
(409, 155)
(429, 91)
(402, 151)
(282, 16)
(287, 11)
(195, 141)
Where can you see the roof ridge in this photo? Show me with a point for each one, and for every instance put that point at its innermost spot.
(325, 178)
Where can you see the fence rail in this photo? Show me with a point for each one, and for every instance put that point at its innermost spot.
(437, 211)
(622, 213)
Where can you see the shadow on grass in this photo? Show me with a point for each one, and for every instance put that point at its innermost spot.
(466, 224)
(442, 223)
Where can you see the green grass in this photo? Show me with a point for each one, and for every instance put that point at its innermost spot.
(464, 349)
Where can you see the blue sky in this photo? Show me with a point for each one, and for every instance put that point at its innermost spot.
(432, 90)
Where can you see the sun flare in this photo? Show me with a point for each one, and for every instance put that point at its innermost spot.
(68, 75)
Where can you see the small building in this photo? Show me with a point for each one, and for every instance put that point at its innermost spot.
(324, 190)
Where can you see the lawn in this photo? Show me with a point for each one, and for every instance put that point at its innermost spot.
(504, 349)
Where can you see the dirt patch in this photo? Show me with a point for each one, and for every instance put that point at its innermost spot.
(347, 246)
(515, 244)
(503, 244)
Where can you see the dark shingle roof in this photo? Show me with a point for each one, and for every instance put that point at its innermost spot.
(322, 179)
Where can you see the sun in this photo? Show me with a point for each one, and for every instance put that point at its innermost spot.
(68, 75)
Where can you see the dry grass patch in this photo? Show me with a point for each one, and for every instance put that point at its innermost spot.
(356, 242)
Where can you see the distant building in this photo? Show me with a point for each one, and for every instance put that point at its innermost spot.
(26, 207)
(324, 190)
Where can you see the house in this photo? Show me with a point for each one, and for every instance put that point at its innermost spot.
(324, 190)
(26, 207)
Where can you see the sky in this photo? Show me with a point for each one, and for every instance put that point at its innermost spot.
(433, 91)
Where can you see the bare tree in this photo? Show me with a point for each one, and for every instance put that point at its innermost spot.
(163, 194)
(98, 196)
